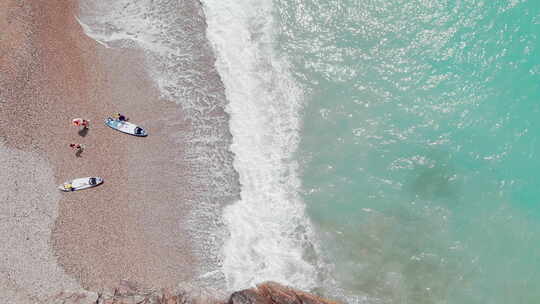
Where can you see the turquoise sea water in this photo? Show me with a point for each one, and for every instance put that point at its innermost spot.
(414, 124)
(420, 145)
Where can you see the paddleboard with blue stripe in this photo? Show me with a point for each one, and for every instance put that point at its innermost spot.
(126, 127)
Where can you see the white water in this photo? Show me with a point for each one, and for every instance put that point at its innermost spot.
(269, 232)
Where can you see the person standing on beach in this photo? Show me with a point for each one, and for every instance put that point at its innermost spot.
(77, 147)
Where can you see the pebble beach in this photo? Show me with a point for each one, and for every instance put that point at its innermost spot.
(129, 228)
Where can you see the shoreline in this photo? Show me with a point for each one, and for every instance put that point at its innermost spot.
(129, 228)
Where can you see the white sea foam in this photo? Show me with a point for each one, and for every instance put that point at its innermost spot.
(269, 232)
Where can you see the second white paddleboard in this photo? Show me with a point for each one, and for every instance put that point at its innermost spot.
(80, 183)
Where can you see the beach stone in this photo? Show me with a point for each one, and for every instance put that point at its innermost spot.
(265, 293)
(84, 297)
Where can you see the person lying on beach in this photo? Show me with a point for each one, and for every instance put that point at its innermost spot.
(120, 117)
(81, 122)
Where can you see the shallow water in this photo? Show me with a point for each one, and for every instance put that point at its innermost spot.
(419, 145)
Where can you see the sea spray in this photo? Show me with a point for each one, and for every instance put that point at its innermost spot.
(270, 235)
(180, 61)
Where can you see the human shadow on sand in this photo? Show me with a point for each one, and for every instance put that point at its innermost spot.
(83, 132)
(79, 153)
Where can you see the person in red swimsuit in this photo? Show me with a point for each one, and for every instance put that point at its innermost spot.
(81, 122)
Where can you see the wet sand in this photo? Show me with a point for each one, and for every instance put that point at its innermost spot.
(129, 228)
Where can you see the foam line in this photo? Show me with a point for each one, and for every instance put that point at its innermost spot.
(268, 228)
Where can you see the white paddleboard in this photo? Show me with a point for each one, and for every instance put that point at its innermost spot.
(126, 127)
(80, 184)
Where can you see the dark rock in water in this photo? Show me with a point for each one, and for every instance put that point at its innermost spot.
(274, 293)
(128, 293)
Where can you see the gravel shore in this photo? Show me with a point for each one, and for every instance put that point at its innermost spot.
(131, 227)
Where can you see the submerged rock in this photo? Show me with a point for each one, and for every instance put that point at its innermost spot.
(274, 293)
